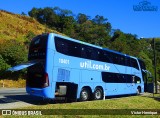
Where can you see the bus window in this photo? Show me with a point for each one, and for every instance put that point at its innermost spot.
(143, 67)
(104, 56)
(61, 45)
(128, 63)
(134, 63)
(137, 79)
(38, 46)
(122, 60)
(84, 52)
(74, 49)
(92, 53)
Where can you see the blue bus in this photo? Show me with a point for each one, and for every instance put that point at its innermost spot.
(60, 67)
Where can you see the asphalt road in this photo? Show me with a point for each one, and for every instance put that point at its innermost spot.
(17, 97)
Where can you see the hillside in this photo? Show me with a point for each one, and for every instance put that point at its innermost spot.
(15, 34)
(14, 26)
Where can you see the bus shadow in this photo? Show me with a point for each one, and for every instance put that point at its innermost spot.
(119, 96)
(34, 100)
(157, 98)
(106, 98)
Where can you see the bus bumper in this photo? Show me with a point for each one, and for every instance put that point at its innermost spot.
(44, 92)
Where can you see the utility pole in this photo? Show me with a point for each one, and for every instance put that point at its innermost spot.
(155, 72)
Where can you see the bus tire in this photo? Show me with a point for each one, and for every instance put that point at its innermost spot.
(85, 94)
(98, 94)
(138, 90)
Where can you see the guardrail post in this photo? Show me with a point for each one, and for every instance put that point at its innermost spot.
(104, 95)
(3, 84)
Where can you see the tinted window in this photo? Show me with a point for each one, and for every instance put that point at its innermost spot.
(113, 77)
(137, 79)
(119, 78)
(62, 46)
(142, 66)
(128, 63)
(38, 46)
(122, 60)
(72, 48)
(115, 58)
(75, 49)
(104, 56)
(134, 63)
(89, 52)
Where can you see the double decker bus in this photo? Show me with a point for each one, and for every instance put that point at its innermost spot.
(60, 67)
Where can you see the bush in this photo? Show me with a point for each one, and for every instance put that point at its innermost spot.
(12, 53)
(3, 67)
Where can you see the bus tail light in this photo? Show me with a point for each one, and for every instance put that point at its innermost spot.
(46, 80)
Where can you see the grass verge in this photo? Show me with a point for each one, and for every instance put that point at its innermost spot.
(132, 102)
(93, 108)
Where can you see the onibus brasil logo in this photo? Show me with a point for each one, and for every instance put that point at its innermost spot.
(145, 6)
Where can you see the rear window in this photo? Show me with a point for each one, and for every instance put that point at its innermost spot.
(38, 46)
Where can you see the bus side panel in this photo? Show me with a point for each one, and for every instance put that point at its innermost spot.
(110, 89)
(50, 66)
(123, 88)
(90, 76)
(75, 76)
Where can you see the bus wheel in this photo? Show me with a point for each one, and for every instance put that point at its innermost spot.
(138, 91)
(98, 94)
(85, 94)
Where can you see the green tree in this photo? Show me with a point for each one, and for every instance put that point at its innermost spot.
(34, 12)
(82, 18)
(23, 14)
(13, 52)
(147, 61)
(94, 31)
(100, 20)
(3, 65)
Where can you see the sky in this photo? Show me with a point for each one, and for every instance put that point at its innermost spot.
(120, 13)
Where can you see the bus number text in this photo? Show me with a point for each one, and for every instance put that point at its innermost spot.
(63, 61)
